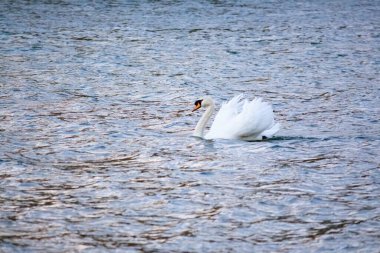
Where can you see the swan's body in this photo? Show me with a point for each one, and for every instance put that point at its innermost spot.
(237, 119)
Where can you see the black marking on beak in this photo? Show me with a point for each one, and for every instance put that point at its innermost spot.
(197, 105)
(198, 102)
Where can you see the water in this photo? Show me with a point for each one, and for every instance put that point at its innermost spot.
(96, 151)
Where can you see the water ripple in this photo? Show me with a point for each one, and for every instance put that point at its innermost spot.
(96, 152)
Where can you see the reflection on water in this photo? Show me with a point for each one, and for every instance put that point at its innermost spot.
(96, 149)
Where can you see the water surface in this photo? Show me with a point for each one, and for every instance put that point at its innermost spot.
(96, 153)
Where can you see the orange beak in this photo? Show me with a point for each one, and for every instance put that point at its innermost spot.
(196, 107)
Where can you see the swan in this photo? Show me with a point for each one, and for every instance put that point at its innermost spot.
(238, 119)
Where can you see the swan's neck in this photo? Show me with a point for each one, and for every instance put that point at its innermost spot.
(199, 129)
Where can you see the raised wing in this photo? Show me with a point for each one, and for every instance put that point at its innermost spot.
(221, 127)
(243, 119)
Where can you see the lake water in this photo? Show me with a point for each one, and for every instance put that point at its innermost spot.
(96, 153)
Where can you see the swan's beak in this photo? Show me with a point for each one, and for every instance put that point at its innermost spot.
(196, 107)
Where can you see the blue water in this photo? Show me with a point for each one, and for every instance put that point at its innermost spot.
(96, 153)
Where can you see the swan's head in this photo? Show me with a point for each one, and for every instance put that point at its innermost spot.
(205, 102)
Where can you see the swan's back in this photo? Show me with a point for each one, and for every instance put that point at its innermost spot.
(243, 119)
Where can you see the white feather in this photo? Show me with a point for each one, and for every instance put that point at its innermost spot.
(241, 119)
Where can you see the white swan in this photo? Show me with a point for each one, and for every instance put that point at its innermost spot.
(237, 119)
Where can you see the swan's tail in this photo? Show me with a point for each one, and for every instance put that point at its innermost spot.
(271, 131)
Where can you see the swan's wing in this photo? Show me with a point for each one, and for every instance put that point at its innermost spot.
(255, 118)
(221, 127)
(243, 119)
